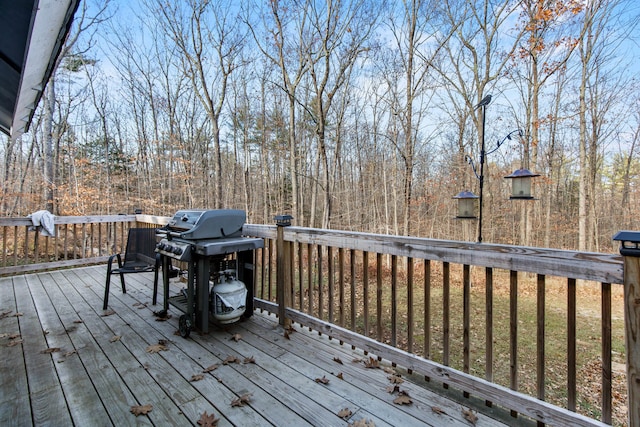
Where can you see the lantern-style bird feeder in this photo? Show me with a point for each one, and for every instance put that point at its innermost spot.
(466, 205)
(521, 184)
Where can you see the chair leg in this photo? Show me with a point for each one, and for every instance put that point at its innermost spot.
(108, 282)
(155, 280)
(106, 288)
(124, 290)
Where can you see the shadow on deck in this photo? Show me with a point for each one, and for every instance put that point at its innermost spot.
(68, 362)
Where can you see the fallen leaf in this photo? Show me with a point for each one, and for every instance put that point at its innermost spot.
(363, 423)
(163, 342)
(69, 353)
(211, 368)
(230, 359)
(357, 360)
(393, 389)
(438, 410)
(403, 398)
(4, 335)
(337, 360)
(323, 380)
(141, 410)
(395, 379)
(78, 321)
(470, 416)
(196, 377)
(107, 313)
(13, 336)
(240, 401)
(345, 413)
(340, 376)
(286, 335)
(390, 370)
(248, 360)
(156, 348)
(207, 420)
(14, 342)
(372, 363)
(18, 315)
(50, 350)
(115, 338)
(236, 337)
(161, 315)
(5, 314)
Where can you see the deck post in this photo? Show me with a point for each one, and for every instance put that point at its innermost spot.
(630, 250)
(283, 269)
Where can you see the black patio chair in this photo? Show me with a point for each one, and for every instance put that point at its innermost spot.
(139, 257)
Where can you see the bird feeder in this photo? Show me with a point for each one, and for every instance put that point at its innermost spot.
(466, 205)
(521, 184)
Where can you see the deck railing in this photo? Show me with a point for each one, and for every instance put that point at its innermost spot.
(78, 240)
(512, 327)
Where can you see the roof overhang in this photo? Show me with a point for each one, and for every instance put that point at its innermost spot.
(32, 33)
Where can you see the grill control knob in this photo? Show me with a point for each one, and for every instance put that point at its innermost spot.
(177, 250)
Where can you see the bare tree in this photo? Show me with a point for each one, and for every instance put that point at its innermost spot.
(209, 39)
(285, 25)
(338, 33)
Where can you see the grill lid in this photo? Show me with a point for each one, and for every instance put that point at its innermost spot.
(198, 224)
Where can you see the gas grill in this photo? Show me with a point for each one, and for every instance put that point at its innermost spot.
(219, 266)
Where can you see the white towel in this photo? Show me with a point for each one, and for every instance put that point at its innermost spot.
(44, 221)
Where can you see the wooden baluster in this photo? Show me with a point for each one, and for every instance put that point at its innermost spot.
(571, 344)
(513, 332)
(540, 338)
(365, 291)
(607, 407)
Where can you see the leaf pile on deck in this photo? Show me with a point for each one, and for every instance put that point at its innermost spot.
(141, 409)
(207, 420)
(242, 400)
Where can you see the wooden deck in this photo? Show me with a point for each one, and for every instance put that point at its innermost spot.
(66, 362)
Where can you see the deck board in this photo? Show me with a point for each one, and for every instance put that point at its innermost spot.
(12, 369)
(93, 380)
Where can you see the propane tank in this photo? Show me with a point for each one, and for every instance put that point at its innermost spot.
(228, 298)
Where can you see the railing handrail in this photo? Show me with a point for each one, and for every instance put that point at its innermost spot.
(598, 267)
